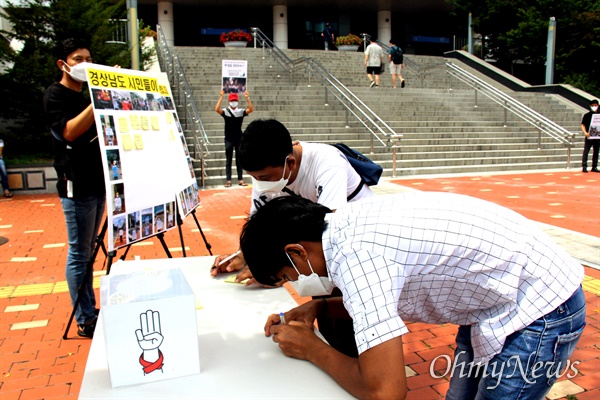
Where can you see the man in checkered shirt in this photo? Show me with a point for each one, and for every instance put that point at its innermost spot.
(426, 257)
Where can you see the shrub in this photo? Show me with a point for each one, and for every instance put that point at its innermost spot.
(235, 36)
(349, 40)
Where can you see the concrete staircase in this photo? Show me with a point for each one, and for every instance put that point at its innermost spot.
(443, 130)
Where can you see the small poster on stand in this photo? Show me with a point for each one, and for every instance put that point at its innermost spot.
(234, 76)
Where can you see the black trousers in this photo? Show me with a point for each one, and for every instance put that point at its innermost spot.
(339, 332)
(587, 145)
(229, 147)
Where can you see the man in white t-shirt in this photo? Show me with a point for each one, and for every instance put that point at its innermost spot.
(426, 257)
(280, 167)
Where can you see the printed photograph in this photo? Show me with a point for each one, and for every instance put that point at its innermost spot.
(102, 99)
(122, 100)
(108, 130)
(146, 222)
(134, 226)
(159, 218)
(170, 214)
(119, 231)
(118, 198)
(139, 102)
(113, 159)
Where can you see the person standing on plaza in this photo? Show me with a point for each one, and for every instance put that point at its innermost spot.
(3, 173)
(373, 61)
(78, 164)
(592, 137)
(396, 60)
(233, 117)
(328, 36)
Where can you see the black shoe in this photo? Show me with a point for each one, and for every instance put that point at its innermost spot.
(584, 169)
(595, 170)
(402, 84)
(86, 330)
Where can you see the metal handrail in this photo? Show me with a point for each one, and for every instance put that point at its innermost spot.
(172, 65)
(540, 122)
(527, 114)
(377, 127)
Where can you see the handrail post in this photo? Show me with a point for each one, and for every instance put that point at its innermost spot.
(476, 98)
(394, 163)
(347, 116)
(505, 114)
(539, 139)
(372, 148)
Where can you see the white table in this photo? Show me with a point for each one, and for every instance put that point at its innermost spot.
(237, 361)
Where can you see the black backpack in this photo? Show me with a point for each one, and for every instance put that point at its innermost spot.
(369, 171)
(397, 56)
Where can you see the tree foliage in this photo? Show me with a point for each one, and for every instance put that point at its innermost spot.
(517, 31)
(41, 25)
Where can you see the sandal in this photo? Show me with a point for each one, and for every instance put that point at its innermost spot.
(228, 184)
(242, 183)
(8, 194)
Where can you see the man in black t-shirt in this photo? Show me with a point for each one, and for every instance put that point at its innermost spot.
(233, 117)
(328, 36)
(78, 164)
(592, 137)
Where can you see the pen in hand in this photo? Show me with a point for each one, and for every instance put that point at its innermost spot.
(223, 261)
(282, 318)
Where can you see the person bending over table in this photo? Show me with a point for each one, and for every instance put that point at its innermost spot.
(423, 257)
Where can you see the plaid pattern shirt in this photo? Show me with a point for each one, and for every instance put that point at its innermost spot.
(444, 258)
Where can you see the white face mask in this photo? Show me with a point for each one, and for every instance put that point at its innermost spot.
(312, 285)
(233, 104)
(77, 72)
(272, 186)
(594, 108)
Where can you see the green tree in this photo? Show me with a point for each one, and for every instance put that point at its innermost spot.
(41, 25)
(517, 31)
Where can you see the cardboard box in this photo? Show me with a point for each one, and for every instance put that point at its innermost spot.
(149, 320)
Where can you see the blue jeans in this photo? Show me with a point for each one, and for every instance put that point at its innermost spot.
(83, 217)
(3, 175)
(530, 362)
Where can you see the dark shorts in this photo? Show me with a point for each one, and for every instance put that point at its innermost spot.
(374, 70)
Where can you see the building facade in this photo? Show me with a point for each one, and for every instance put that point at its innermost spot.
(420, 27)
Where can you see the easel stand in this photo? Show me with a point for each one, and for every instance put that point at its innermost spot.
(180, 222)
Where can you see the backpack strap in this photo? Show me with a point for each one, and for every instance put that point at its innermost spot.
(357, 190)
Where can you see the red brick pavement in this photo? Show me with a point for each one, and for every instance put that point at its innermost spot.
(37, 363)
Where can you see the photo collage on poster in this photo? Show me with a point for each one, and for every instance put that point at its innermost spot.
(138, 126)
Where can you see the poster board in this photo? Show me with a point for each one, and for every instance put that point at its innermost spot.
(234, 76)
(595, 127)
(146, 162)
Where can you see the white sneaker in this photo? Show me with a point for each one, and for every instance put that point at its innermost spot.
(372, 84)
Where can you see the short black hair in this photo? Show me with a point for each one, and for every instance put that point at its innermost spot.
(593, 102)
(69, 45)
(264, 143)
(282, 221)
(392, 41)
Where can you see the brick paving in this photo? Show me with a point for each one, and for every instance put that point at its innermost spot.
(36, 363)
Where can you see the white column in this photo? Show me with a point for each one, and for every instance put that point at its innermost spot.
(280, 26)
(165, 20)
(384, 26)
